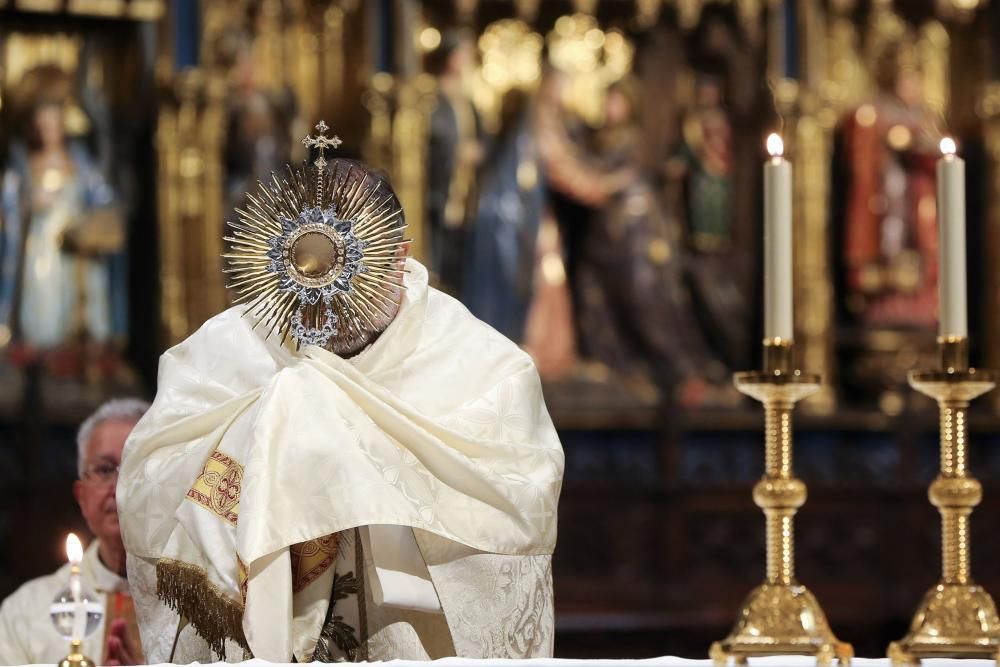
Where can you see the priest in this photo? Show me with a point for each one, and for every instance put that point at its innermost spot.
(27, 635)
(348, 466)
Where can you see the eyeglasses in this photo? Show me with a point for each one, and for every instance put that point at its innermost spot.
(101, 473)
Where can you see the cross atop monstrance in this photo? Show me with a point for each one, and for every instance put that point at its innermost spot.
(322, 142)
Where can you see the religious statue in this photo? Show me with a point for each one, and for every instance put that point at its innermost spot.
(516, 278)
(704, 163)
(708, 183)
(347, 466)
(634, 310)
(453, 155)
(500, 247)
(889, 146)
(61, 258)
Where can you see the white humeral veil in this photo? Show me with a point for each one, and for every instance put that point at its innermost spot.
(435, 439)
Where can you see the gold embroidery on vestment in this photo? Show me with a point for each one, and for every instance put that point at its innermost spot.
(311, 559)
(243, 574)
(218, 486)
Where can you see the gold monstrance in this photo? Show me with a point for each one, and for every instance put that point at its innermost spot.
(318, 255)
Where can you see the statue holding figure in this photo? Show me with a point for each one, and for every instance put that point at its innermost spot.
(890, 146)
(713, 184)
(635, 313)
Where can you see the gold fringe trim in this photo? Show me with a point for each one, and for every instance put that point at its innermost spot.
(186, 589)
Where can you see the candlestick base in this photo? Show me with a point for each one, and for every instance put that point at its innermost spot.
(953, 621)
(76, 658)
(779, 619)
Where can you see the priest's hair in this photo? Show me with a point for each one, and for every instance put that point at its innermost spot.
(126, 409)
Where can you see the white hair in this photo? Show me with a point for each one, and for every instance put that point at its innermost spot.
(117, 408)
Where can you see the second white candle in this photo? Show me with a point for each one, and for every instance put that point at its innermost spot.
(952, 298)
(778, 321)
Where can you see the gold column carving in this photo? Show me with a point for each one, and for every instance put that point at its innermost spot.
(213, 136)
(809, 123)
(291, 48)
(846, 77)
(333, 80)
(511, 58)
(301, 36)
(932, 50)
(173, 315)
(813, 142)
(775, 41)
(24, 51)
(990, 111)
(189, 139)
(378, 99)
(409, 143)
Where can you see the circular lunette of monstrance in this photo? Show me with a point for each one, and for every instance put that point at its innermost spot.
(331, 262)
(315, 255)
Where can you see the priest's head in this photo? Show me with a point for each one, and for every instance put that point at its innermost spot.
(100, 441)
(318, 255)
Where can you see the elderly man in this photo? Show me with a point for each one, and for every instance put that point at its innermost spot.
(26, 634)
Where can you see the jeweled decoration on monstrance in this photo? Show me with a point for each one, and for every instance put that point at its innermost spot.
(319, 255)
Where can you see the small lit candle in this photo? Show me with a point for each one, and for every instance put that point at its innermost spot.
(74, 551)
(777, 243)
(953, 308)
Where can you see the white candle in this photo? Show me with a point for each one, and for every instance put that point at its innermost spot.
(952, 306)
(777, 243)
(74, 551)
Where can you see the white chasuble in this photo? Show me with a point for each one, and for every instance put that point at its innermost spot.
(242, 488)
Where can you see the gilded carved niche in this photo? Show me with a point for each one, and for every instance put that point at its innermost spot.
(266, 71)
(72, 198)
(887, 80)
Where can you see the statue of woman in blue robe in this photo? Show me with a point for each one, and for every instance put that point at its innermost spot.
(500, 247)
(62, 272)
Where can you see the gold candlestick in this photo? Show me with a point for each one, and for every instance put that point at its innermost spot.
(956, 618)
(781, 616)
(76, 658)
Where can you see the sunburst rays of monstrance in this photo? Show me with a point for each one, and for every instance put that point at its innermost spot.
(318, 255)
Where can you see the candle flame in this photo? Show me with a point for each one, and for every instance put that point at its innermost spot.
(775, 146)
(948, 146)
(74, 550)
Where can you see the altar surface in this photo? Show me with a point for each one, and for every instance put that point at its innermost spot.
(669, 661)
